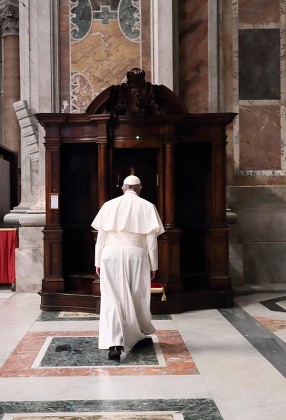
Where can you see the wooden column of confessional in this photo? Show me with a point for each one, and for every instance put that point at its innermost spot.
(169, 243)
(53, 281)
(103, 164)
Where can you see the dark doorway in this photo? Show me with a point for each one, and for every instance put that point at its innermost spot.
(192, 195)
(79, 192)
(142, 163)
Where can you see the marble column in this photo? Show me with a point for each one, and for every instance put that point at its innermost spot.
(164, 44)
(38, 41)
(9, 20)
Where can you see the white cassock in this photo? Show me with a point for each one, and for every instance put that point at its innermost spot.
(126, 251)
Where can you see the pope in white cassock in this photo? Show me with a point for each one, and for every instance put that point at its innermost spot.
(126, 259)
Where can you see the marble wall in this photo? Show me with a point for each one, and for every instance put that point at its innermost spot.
(256, 154)
(193, 54)
(258, 239)
(231, 57)
(259, 92)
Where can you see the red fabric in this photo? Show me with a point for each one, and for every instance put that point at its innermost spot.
(156, 285)
(8, 244)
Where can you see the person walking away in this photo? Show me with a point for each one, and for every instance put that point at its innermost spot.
(126, 260)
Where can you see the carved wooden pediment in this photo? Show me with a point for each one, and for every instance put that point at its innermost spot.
(137, 98)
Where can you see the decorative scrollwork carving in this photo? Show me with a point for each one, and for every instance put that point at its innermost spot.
(135, 97)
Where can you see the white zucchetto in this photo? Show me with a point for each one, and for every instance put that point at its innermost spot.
(132, 180)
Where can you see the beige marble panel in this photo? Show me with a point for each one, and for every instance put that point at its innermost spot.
(260, 137)
(261, 212)
(264, 262)
(257, 12)
(257, 240)
(29, 260)
(29, 270)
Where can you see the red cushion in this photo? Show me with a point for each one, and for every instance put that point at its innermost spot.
(156, 285)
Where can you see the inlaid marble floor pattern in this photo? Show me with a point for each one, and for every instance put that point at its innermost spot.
(225, 364)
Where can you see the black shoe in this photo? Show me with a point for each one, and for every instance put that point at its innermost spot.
(143, 343)
(114, 352)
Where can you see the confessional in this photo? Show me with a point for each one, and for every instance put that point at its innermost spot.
(143, 129)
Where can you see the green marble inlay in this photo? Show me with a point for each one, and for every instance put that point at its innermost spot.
(187, 409)
(105, 15)
(80, 316)
(83, 351)
(129, 19)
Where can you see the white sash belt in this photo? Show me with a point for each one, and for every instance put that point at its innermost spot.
(125, 239)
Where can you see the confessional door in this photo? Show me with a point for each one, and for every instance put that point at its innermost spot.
(79, 202)
(78, 206)
(193, 195)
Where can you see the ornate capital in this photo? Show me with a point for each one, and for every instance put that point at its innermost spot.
(9, 17)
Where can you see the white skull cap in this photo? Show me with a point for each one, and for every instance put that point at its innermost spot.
(132, 180)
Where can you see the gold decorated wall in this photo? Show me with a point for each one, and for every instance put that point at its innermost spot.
(99, 42)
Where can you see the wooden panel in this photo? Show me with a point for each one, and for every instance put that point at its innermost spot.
(79, 198)
(169, 260)
(218, 258)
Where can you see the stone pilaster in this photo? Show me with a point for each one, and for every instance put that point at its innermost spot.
(165, 49)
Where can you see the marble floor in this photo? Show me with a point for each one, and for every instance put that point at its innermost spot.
(204, 365)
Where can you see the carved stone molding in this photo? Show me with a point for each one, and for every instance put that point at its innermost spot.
(9, 17)
(28, 129)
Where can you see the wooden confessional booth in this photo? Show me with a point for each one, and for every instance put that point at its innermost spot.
(144, 129)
